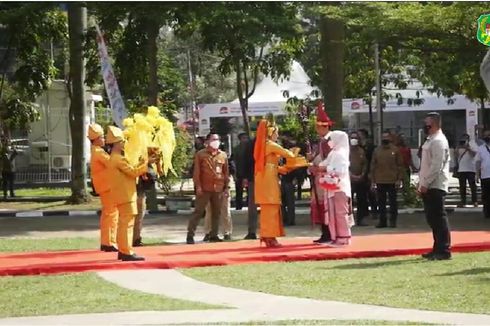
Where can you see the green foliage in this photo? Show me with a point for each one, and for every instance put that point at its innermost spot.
(181, 160)
(260, 37)
(433, 42)
(409, 194)
(27, 30)
(300, 117)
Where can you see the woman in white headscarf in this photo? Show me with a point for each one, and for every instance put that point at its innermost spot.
(336, 182)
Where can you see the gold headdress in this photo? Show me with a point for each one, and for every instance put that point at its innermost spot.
(271, 124)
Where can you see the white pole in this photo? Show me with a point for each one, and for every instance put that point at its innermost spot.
(379, 113)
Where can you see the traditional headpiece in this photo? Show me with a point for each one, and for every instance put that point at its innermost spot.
(322, 118)
(114, 135)
(95, 131)
(271, 124)
(259, 149)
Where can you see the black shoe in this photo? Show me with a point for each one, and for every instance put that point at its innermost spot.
(428, 255)
(322, 239)
(105, 248)
(215, 239)
(133, 257)
(381, 225)
(443, 256)
(190, 239)
(227, 237)
(250, 236)
(138, 243)
(206, 238)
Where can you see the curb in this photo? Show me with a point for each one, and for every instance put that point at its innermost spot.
(77, 213)
(299, 211)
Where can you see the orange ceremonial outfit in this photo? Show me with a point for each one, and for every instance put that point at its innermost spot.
(99, 167)
(123, 180)
(268, 192)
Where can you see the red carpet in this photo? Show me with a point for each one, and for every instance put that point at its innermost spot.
(229, 253)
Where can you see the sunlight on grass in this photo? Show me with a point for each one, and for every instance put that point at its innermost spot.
(461, 284)
(78, 293)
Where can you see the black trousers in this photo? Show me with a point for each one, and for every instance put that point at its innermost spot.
(485, 196)
(239, 193)
(470, 177)
(372, 200)
(383, 191)
(288, 202)
(436, 216)
(360, 190)
(8, 183)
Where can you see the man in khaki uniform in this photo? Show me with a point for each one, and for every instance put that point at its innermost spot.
(386, 175)
(211, 178)
(122, 177)
(99, 167)
(358, 170)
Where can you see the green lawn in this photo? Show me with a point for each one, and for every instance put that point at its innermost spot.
(322, 322)
(52, 244)
(460, 285)
(42, 192)
(94, 204)
(78, 293)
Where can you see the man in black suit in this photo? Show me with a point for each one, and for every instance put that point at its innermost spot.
(248, 175)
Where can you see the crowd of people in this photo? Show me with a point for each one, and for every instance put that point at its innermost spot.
(341, 167)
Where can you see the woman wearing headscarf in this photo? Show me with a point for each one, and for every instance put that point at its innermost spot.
(336, 182)
(267, 154)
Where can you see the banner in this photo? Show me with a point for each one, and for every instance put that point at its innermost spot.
(117, 104)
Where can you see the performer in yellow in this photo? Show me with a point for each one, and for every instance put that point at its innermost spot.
(267, 154)
(122, 176)
(99, 165)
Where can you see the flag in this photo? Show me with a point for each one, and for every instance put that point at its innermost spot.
(117, 104)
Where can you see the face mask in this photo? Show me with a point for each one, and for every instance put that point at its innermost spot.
(385, 141)
(354, 142)
(214, 144)
(487, 139)
(427, 129)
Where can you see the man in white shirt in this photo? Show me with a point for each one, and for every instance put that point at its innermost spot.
(465, 164)
(483, 172)
(433, 186)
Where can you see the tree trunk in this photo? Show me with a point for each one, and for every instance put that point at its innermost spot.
(242, 97)
(152, 50)
(332, 56)
(77, 25)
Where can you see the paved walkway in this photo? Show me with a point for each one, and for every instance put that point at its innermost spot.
(243, 306)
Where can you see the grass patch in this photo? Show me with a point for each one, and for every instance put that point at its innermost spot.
(43, 192)
(78, 293)
(54, 244)
(459, 285)
(322, 322)
(94, 204)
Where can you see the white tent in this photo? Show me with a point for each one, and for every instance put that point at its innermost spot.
(269, 97)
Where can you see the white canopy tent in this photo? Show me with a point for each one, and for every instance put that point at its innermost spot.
(269, 97)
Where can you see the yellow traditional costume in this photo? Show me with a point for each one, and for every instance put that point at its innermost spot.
(122, 176)
(99, 166)
(267, 154)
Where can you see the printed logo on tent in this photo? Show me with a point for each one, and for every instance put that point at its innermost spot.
(355, 106)
(223, 110)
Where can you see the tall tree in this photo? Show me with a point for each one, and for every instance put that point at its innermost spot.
(332, 50)
(77, 26)
(26, 65)
(260, 37)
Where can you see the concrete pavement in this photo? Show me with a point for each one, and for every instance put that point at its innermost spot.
(245, 306)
